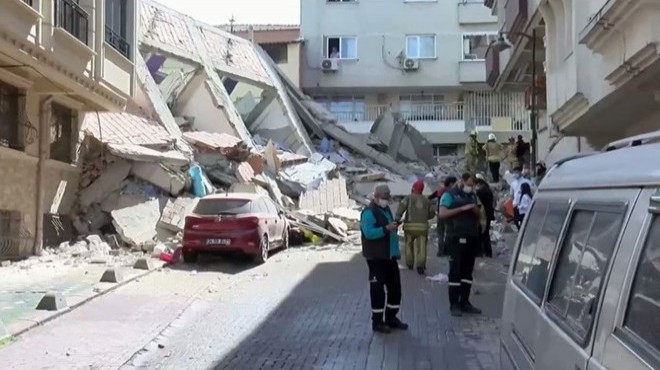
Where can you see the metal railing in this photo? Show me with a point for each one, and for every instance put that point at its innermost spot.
(481, 108)
(432, 112)
(117, 42)
(74, 19)
(370, 113)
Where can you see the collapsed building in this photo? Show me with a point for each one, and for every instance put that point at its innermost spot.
(213, 113)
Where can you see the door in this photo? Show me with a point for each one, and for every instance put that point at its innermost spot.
(573, 299)
(529, 279)
(278, 229)
(269, 220)
(628, 338)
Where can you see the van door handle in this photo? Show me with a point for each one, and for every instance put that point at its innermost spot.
(592, 306)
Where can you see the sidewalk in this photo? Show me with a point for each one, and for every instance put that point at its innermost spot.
(77, 279)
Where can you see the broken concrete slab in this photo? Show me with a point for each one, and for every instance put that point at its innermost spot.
(175, 212)
(330, 194)
(112, 275)
(53, 301)
(143, 264)
(369, 177)
(143, 154)
(403, 140)
(338, 226)
(109, 181)
(136, 217)
(159, 175)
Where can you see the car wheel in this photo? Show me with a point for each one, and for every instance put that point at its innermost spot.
(190, 256)
(285, 238)
(264, 247)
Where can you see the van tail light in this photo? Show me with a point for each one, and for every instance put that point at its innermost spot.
(249, 221)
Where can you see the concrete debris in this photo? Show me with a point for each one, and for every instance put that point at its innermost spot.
(403, 140)
(136, 217)
(174, 214)
(338, 226)
(168, 180)
(330, 195)
(109, 181)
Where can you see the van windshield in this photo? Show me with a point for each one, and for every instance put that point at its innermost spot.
(211, 207)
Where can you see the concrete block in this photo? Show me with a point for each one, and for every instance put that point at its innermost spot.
(160, 176)
(175, 212)
(136, 218)
(112, 275)
(53, 301)
(109, 181)
(143, 264)
(329, 195)
(338, 226)
(5, 263)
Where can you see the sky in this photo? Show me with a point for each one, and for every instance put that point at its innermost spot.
(244, 11)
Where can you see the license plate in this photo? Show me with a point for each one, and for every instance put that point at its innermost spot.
(218, 242)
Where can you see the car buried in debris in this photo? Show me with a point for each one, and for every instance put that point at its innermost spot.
(247, 223)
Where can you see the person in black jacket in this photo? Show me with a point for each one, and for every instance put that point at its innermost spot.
(487, 198)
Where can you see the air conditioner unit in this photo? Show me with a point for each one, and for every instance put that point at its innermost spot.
(330, 65)
(410, 64)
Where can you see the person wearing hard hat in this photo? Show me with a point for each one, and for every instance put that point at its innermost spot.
(472, 153)
(493, 151)
(418, 210)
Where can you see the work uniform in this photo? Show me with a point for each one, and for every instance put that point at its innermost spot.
(494, 156)
(471, 155)
(419, 210)
(380, 248)
(511, 156)
(463, 242)
(440, 229)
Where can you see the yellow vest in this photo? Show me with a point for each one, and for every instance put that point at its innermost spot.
(493, 151)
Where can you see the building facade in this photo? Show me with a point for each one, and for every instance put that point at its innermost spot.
(601, 68)
(280, 42)
(58, 59)
(424, 59)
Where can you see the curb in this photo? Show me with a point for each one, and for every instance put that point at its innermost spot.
(12, 334)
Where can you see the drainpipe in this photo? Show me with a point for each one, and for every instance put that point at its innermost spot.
(44, 118)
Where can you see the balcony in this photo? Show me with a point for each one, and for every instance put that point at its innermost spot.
(474, 12)
(117, 42)
(515, 18)
(472, 71)
(72, 18)
(492, 66)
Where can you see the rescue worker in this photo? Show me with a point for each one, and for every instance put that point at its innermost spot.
(418, 211)
(450, 182)
(487, 200)
(511, 154)
(493, 151)
(522, 151)
(472, 149)
(459, 207)
(380, 247)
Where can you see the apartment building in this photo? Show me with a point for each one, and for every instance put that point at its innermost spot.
(422, 58)
(601, 70)
(58, 59)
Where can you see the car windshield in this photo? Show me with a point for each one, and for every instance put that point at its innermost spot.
(223, 206)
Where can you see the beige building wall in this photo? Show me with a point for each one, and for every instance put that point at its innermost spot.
(52, 64)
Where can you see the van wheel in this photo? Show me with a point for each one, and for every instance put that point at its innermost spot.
(285, 239)
(190, 256)
(264, 248)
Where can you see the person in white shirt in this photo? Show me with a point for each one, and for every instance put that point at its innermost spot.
(519, 178)
(525, 202)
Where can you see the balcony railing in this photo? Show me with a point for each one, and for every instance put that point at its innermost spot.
(516, 16)
(370, 113)
(74, 19)
(117, 42)
(432, 112)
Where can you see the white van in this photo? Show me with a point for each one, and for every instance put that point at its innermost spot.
(583, 290)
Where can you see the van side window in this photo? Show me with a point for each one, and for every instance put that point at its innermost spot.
(583, 260)
(643, 314)
(532, 265)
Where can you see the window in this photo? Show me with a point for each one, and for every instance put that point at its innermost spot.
(62, 123)
(583, 260)
(70, 16)
(279, 53)
(341, 47)
(211, 207)
(270, 206)
(346, 108)
(420, 46)
(116, 27)
(12, 233)
(643, 314)
(532, 265)
(9, 116)
(475, 45)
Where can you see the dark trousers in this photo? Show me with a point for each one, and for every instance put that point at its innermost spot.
(494, 170)
(442, 243)
(486, 247)
(517, 218)
(462, 255)
(384, 275)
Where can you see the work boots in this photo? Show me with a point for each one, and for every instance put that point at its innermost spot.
(469, 308)
(395, 323)
(380, 327)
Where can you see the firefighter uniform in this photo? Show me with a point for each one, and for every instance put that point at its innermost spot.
(418, 211)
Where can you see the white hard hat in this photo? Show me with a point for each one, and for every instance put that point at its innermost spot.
(492, 136)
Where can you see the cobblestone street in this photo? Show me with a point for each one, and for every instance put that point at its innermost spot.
(305, 308)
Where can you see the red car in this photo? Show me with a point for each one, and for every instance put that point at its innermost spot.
(235, 222)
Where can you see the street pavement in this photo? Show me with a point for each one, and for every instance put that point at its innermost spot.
(306, 308)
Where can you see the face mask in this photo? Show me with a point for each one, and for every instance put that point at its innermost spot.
(383, 203)
(467, 189)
